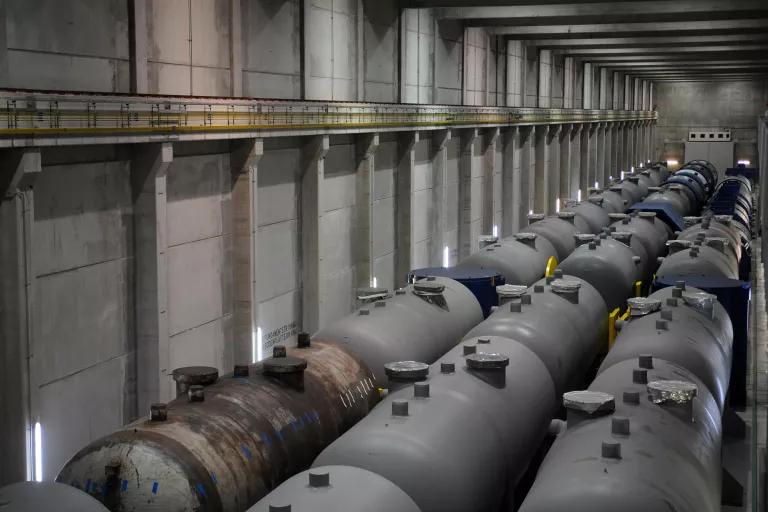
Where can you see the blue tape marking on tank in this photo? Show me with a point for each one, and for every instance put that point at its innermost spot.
(265, 438)
(200, 489)
(88, 485)
(155, 485)
(213, 477)
(124, 486)
(246, 451)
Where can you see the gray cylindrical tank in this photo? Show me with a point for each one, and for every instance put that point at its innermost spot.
(641, 182)
(563, 328)
(686, 196)
(608, 265)
(227, 444)
(659, 450)
(334, 489)
(645, 180)
(521, 259)
(612, 202)
(559, 232)
(647, 265)
(698, 228)
(694, 332)
(627, 192)
(645, 230)
(697, 261)
(632, 188)
(455, 442)
(591, 212)
(46, 497)
(437, 313)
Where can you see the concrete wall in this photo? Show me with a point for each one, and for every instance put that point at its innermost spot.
(73, 52)
(271, 48)
(199, 257)
(83, 352)
(383, 213)
(708, 105)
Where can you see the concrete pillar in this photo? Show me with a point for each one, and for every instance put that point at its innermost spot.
(587, 86)
(139, 39)
(313, 247)
(515, 74)
(545, 78)
(592, 167)
(626, 132)
(568, 82)
(607, 151)
(244, 161)
(404, 204)
(492, 203)
(616, 104)
(365, 148)
(553, 167)
(470, 194)
(600, 154)
(575, 182)
(638, 90)
(149, 167)
(627, 92)
(19, 169)
(527, 147)
(511, 220)
(616, 148)
(604, 91)
(585, 147)
(564, 170)
(541, 169)
(439, 224)
(236, 49)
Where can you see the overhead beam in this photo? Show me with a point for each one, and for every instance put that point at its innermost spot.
(649, 41)
(604, 12)
(672, 28)
(645, 50)
(720, 58)
(672, 64)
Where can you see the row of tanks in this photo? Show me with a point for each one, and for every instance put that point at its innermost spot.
(226, 442)
(462, 435)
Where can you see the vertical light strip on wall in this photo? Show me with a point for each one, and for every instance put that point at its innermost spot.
(597, 185)
(495, 230)
(622, 175)
(557, 205)
(374, 282)
(446, 257)
(578, 195)
(259, 346)
(38, 452)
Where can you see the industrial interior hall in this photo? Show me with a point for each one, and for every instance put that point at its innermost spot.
(383, 255)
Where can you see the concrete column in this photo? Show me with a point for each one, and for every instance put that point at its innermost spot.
(568, 82)
(553, 167)
(545, 78)
(615, 149)
(19, 169)
(312, 250)
(617, 86)
(439, 225)
(492, 204)
(600, 154)
(404, 204)
(604, 91)
(235, 49)
(627, 92)
(360, 52)
(365, 147)
(587, 86)
(527, 148)
(139, 39)
(469, 218)
(607, 151)
(638, 90)
(244, 161)
(575, 183)
(593, 172)
(564, 170)
(510, 183)
(584, 167)
(149, 166)
(626, 152)
(541, 169)
(515, 74)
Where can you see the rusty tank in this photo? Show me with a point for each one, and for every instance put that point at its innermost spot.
(222, 446)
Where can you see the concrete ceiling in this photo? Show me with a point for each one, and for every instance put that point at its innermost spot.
(653, 39)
